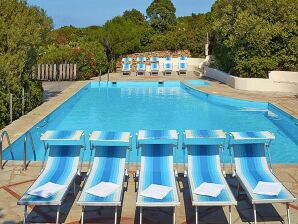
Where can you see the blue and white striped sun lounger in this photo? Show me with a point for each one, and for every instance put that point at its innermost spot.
(157, 167)
(154, 59)
(204, 147)
(141, 59)
(182, 68)
(108, 166)
(251, 167)
(154, 69)
(169, 58)
(141, 69)
(126, 60)
(168, 68)
(126, 69)
(63, 164)
(182, 58)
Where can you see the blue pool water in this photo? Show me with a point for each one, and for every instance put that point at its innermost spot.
(130, 106)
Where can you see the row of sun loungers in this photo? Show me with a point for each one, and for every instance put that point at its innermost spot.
(157, 185)
(155, 68)
(152, 59)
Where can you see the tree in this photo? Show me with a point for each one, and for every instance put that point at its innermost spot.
(23, 29)
(251, 38)
(161, 14)
(122, 35)
(79, 46)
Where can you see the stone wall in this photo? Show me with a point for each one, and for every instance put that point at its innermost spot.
(160, 54)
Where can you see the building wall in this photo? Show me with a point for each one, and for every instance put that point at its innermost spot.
(279, 81)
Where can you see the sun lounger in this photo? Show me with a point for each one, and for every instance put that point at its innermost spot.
(141, 69)
(204, 148)
(154, 69)
(126, 69)
(249, 150)
(108, 166)
(126, 60)
(157, 168)
(168, 68)
(63, 164)
(154, 59)
(169, 58)
(141, 59)
(182, 68)
(182, 58)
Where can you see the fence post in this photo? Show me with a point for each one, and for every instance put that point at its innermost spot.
(55, 73)
(46, 72)
(64, 71)
(67, 72)
(10, 106)
(51, 72)
(71, 71)
(38, 71)
(42, 72)
(60, 72)
(23, 101)
(75, 71)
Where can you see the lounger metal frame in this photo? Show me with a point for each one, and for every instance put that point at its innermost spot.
(166, 204)
(241, 184)
(105, 204)
(46, 149)
(217, 203)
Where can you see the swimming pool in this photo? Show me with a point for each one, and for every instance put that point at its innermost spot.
(130, 106)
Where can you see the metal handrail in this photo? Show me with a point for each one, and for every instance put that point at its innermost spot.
(108, 76)
(5, 134)
(25, 150)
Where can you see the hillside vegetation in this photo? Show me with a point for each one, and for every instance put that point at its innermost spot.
(247, 39)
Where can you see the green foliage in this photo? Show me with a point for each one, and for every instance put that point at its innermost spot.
(125, 34)
(162, 15)
(77, 46)
(251, 38)
(22, 30)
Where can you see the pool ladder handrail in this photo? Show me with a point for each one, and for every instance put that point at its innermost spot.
(5, 134)
(25, 150)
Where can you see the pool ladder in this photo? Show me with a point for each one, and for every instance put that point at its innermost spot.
(25, 164)
(5, 134)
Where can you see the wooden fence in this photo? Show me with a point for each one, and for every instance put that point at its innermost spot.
(55, 72)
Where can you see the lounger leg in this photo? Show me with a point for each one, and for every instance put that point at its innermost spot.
(74, 188)
(238, 190)
(58, 212)
(174, 215)
(82, 217)
(196, 215)
(230, 214)
(141, 215)
(255, 213)
(25, 214)
(288, 213)
(116, 210)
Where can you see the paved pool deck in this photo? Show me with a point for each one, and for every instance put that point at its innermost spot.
(14, 181)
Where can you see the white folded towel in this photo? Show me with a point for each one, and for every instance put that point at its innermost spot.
(209, 189)
(156, 191)
(268, 188)
(46, 190)
(103, 189)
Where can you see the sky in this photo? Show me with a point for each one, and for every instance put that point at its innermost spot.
(82, 13)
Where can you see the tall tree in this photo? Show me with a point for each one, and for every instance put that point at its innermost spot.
(251, 38)
(161, 14)
(22, 30)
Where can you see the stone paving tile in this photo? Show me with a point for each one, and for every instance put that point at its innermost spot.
(70, 212)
